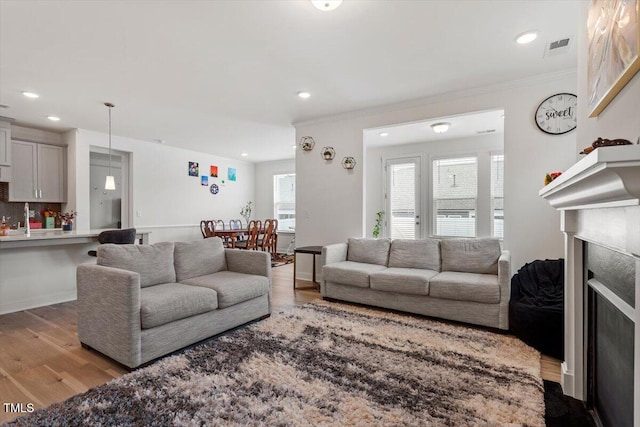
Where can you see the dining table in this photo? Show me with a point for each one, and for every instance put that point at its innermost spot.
(232, 235)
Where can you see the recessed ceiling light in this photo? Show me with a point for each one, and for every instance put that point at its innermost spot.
(304, 95)
(53, 118)
(31, 95)
(527, 37)
(440, 127)
(294, 146)
(384, 133)
(326, 4)
(244, 154)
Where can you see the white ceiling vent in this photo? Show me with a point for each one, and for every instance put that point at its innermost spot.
(557, 47)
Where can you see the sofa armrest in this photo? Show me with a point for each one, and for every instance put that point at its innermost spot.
(249, 262)
(109, 312)
(333, 253)
(504, 280)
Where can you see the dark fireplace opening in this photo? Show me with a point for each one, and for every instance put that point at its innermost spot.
(610, 335)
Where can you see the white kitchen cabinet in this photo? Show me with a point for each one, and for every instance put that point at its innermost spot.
(38, 173)
(5, 143)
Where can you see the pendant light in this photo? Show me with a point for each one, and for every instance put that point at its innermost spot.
(110, 183)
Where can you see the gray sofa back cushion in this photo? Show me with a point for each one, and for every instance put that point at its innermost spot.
(154, 262)
(423, 254)
(368, 250)
(470, 255)
(199, 258)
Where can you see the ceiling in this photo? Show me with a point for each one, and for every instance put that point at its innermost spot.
(222, 76)
(462, 126)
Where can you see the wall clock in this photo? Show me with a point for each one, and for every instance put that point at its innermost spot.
(557, 114)
(214, 189)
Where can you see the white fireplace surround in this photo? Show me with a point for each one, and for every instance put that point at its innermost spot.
(599, 200)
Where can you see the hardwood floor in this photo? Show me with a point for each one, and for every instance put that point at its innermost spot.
(42, 362)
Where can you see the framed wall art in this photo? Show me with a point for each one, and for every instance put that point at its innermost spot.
(193, 169)
(614, 40)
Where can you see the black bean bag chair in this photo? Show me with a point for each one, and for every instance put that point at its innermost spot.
(536, 307)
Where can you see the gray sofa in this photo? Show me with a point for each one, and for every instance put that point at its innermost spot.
(466, 280)
(141, 302)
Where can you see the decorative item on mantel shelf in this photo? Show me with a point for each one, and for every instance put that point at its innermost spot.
(550, 177)
(603, 142)
(307, 143)
(348, 163)
(67, 220)
(245, 212)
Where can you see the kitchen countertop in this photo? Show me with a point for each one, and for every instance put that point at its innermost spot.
(44, 237)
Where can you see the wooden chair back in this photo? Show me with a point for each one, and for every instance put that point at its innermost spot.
(268, 241)
(207, 228)
(255, 225)
(235, 224)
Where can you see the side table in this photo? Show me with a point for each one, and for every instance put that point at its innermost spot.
(313, 250)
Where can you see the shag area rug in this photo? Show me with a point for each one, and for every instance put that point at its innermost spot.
(324, 364)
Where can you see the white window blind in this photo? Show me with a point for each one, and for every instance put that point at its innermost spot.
(455, 193)
(497, 194)
(284, 201)
(402, 195)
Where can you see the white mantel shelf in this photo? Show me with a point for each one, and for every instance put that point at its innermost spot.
(607, 177)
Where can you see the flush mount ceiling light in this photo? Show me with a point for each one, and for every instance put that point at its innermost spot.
(440, 127)
(383, 134)
(53, 118)
(110, 182)
(31, 95)
(326, 5)
(304, 95)
(526, 37)
(244, 154)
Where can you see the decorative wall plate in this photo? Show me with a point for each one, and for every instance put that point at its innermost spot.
(214, 189)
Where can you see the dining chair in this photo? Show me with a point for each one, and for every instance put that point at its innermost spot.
(219, 225)
(252, 240)
(267, 242)
(208, 228)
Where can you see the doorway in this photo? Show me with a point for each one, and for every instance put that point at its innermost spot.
(403, 198)
(108, 208)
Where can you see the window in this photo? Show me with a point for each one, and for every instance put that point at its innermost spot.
(497, 194)
(284, 201)
(455, 193)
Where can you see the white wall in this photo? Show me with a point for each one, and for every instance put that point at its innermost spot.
(330, 202)
(376, 157)
(170, 202)
(264, 193)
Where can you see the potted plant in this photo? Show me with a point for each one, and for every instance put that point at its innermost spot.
(378, 227)
(245, 212)
(67, 220)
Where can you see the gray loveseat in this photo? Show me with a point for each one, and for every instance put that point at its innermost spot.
(141, 302)
(466, 280)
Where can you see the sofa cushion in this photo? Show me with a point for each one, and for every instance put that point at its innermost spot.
(465, 287)
(199, 258)
(154, 262)
(350, 273)
(423, 254)
(470, 255)
(368, 250)
(232, 287)
(402, 280)
(161, 304)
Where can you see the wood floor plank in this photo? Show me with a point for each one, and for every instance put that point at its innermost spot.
(42, 362)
